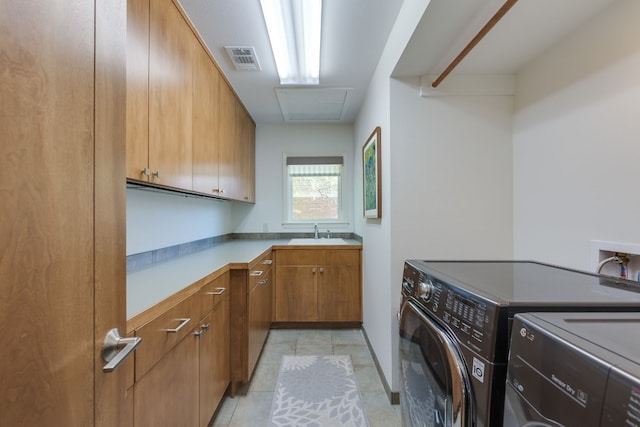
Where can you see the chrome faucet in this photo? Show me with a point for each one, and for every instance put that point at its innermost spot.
(315, 232)
(328, 234)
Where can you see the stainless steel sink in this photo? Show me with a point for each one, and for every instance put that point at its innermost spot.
(312, 241)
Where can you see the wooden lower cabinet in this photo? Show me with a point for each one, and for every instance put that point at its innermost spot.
(297, 293)
(184, 387)
(168, 394)
(259, 317)
(251, 316)
(214, 360)
(318, 285)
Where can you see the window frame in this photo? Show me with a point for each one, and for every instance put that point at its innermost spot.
(288, 219)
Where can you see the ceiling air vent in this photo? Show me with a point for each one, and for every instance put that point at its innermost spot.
(243, 57)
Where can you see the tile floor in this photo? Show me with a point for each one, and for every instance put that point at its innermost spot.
(252, 404)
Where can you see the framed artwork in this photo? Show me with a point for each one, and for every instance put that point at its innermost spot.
(371, 175)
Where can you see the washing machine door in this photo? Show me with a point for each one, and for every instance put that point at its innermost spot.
(435, 388)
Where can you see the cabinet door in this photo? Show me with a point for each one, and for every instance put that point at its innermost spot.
(244, 158)
(171, 45)
(226, 134)
(259, 318)
(204, 123)
(214, 361)
(339, 296)
(137, 89)
(296, 293)
(168, 394)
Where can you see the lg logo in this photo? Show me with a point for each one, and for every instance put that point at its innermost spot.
(526, 334)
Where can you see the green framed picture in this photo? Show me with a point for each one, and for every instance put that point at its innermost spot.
(371, 175)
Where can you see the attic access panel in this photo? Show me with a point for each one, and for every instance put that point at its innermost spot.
(312, 104)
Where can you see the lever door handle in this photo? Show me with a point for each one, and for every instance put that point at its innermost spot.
(116, 349)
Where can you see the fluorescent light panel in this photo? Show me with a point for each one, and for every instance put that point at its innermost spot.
(294, 28)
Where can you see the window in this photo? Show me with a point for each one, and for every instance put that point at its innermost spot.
(314, 189)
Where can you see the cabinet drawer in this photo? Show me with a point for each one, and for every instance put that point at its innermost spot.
(212, 293)
(342, 257)
(319, 257)
(163, 333)
(259, 269)
(300, 257)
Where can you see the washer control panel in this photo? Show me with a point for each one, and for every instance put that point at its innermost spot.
(467, 316)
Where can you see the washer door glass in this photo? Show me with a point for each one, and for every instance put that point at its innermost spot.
(435, 387)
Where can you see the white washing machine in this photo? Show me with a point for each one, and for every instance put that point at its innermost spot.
(573, 369)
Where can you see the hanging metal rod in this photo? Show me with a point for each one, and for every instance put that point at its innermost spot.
(483, 32)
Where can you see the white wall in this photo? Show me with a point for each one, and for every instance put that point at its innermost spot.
(158, 220)
(272, 142)
(379, 287)
(576, 142)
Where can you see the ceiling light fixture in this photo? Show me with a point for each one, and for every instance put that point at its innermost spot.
(294, 31)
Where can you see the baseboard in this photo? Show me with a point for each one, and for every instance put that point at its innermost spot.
(393, 396)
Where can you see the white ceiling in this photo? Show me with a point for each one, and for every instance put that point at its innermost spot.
(529, 28)
(354, 35)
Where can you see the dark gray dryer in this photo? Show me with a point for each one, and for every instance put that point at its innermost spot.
(574, 370)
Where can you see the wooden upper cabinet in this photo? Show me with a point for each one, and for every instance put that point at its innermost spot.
(137, 89)
(204, 123)
(227, 137)
(186, 128)
(245, 160)
(171, 52)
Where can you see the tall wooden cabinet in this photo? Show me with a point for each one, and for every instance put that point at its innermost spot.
(318, 285)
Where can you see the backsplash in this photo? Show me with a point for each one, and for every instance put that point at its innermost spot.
(140, 261)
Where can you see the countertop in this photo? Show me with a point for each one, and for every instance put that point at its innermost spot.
(149, 286)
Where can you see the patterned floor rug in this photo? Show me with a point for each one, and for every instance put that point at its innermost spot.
(317, 391)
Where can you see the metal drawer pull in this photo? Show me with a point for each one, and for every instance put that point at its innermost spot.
(182, 321)
(115, 349)
(199, 333)
(218, 291)
(267, 261)
(263, 282)
(321, 270)
(256, 273)
(206, 326)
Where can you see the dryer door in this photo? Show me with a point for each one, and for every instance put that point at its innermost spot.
(435, 384)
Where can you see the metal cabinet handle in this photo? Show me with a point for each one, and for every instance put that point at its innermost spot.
(156, 174)
(206, 326)
(218, 291)
(256, 273)
(321, 270)
(313, 270)
(267, 261)
(116, 349)
(199, 333)
(145, 171)
(263, 282)
(182, 324)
